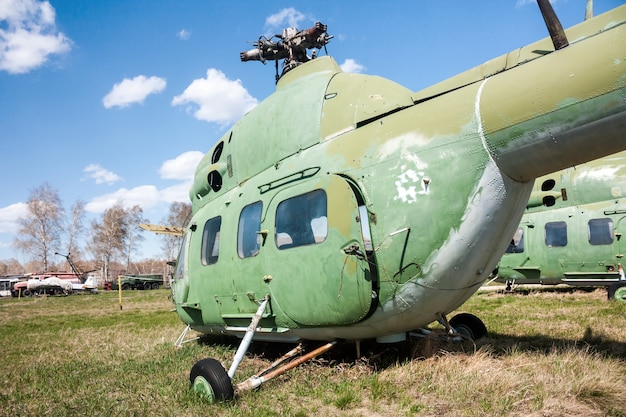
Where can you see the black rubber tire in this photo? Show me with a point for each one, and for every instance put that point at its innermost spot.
(615, 289)
(469, 324)
(125, 287)
(215, 374)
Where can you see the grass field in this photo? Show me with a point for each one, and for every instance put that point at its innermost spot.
(549, 353)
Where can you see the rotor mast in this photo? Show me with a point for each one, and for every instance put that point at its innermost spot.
(291, 46)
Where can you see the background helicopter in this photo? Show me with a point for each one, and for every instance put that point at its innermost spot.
(572, 229)
(347, 207)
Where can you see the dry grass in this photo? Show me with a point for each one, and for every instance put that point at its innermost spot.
(549, 353)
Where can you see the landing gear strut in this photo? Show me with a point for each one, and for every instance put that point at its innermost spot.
(210, 380)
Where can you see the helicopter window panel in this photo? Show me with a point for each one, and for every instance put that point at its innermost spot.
(517, 243)
(182, 258)
(302, 220)
(211, 241)
(248, 238)
(601, 231)
(556, 234)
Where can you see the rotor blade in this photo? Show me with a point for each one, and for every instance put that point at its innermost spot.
(166, 230)
(559, 40)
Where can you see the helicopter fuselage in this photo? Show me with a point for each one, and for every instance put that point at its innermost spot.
(365, 210)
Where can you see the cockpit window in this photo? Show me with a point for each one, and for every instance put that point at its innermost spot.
(601, 231)
(302, 220)
(248, 238)
(211, 240)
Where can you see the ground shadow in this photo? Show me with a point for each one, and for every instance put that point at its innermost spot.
(381, 356)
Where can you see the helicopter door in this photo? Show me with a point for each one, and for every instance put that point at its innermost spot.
(318, 272)
(522, 253)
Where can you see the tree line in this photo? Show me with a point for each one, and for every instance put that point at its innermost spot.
(108, 244)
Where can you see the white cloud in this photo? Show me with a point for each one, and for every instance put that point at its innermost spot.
(350, 65)
(219, 99)
(101, 175)
(178, 192)
(183, 35)
(182, 167)
(9, 216)
(145, 196)
(132, 91)
(28, 35)
(289, 17)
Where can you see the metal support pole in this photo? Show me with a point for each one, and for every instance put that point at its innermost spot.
(293, 352)
(256, 381)
(181, 339)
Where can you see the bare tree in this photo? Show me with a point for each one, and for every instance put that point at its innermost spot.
(134, 236)
(40, 231)
(117, 235)
(11, 267)
(107, 236)
(75, 229)
(179, 215)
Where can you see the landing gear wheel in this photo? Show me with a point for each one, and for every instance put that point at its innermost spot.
(617, 292)
(469, 325)
(209, 380)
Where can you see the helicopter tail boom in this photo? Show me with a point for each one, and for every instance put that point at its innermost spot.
(574, 111)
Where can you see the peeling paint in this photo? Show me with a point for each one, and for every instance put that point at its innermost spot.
(408, 193)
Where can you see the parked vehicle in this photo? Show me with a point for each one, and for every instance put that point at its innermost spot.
(139, 282)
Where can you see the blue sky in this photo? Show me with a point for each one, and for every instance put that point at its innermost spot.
(117, 100)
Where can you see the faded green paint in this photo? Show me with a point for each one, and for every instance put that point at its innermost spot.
(276, 129)
(442, 172)
(325, 286)
(351, 99)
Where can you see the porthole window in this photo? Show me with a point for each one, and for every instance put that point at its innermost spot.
(302, 220)
(547, 185)
(600, 231)
(217, 153)
(549, 201)
(215, 180)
